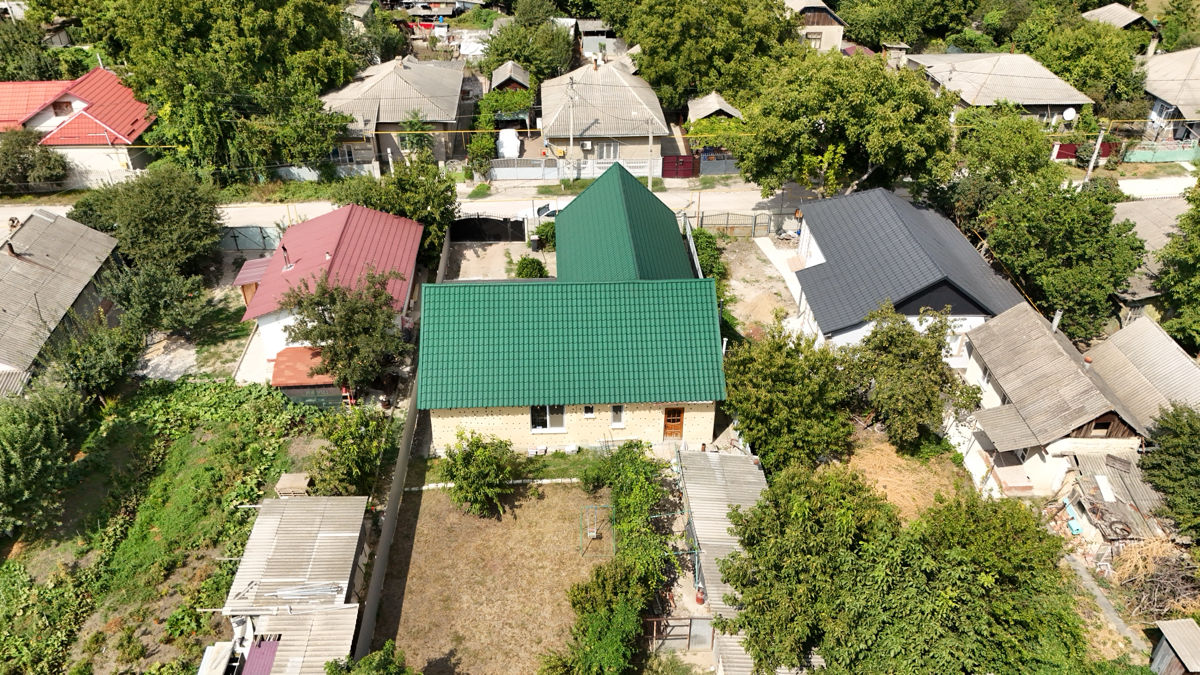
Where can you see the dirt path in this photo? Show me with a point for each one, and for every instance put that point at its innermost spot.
(1106, 608)
(758, 290)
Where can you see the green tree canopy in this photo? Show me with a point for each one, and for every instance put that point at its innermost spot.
(1180, 27)
(791, 399)
(1063, 248)
(480, 468)
(1179, 277)
(23, 55)
(354, 327)
(23, 162)
(539, 45)
(1096, 58)
(35, 449)
(387, 660)
(1173, 465)
(830, 121)
(155, 297)
(95, 359)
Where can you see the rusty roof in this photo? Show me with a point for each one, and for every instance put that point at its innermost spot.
(292, 367)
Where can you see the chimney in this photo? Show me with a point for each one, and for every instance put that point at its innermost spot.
(8, 248)
(1087, 362)
(896, 54)
(1057, 319)
(287, 262)
(327, 255)
(13, 224)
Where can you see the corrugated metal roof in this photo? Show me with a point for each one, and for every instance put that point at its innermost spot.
(341, 244)
(252, 271)
(1184, 638)
(56, 260)
(609, 101)
(1042, 374)
(553, 342)
(308, 641)
(292, 365)
(386, 93)
(301, 553)
(617, 230)
(1133, 501)
(801, 6)
(13, 381)
(1006, 428)
(1175, 78)
(987, 79)
(877, 246)
(112, 115)
(20, 100)
(1146, 370)
(510, 70)
(699, 108)
(1114, 14)
(1154, 220)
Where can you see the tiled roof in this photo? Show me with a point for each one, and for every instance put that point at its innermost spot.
(20, 100)
(1175, 78)
(554, 342)
(877, 247)
(386, 93)
(112, 115)
(609, 101)
(617, 230)
(987, 79)
(292, 366)
(1114, 14)
(341, 244)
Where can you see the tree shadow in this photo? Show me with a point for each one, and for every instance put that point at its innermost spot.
(220, 322)
(446, 664)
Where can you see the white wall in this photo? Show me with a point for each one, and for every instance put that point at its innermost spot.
(46, 121)
(100, 165)
(271, 327)
(961, 324)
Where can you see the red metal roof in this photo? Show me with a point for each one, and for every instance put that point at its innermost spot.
(341, 245)
(292, 365)
(252, 271)
(19, 100)
(112, 115)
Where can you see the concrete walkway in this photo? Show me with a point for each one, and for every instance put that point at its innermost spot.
(1140, 646)
(1149, 188)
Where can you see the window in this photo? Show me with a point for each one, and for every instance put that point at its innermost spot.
(546, 418)
(1100, 429)
(814, 39)
(62, 108)
(618, 417)
(987, 376)
(589, 411)
(608, 150)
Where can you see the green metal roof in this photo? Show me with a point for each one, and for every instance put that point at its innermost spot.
(491, 344)
(617, 230)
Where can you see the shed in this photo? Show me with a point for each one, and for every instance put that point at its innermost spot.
(510, 75)
(710, 105)
(291, 373)
(1115, 14)
(249, 276)
(1178, 652)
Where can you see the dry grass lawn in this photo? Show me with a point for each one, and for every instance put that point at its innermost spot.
(911, 485)
(473, 595)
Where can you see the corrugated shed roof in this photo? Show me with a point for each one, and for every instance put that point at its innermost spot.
(1116, 496)
(341, 244)
(593, 26)
(800, 6)
(1146, 370)
(987, 79)
(308, 641)
(1006, 428)
(1154, 221)
(554, 342)
(386, 93)
(1114, 14)
(13, 381)
(1184, 638)
(1042, 374)
(252, 271)
(699, 108)
(878, 246)
(56, 260)
(510, 70)
(617, 230)
(292, 365)
(609, 102)
(301, 553)
(1175, 78)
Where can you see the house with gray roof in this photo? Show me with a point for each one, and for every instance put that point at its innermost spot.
(383, 97)
(989, 79)
(858, 251)
(1173, 83)
(48, 270)
(510, 75)
(1116, 14)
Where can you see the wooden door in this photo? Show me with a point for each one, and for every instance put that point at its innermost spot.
(673, 424)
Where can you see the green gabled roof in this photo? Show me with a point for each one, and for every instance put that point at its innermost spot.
(548, 343)
(617, 230)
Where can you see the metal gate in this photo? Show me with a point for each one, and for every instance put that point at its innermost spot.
(678, 166)
(487, 228)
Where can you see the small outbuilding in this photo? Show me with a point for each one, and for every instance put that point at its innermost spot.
(1116, 14)
(1178, 652)
(510, 75)
(712, 105)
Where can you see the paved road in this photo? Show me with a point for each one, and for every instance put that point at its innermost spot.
(235, 215)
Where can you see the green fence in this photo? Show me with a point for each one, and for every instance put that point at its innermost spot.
(1164, 151)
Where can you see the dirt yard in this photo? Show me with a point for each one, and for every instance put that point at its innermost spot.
(909, 484)
(473, 595)
(755, 284)
(487, 260)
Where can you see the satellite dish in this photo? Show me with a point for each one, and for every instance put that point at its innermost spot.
(1069, 114)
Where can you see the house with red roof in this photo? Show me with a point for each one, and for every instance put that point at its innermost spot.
(338, 246)
(94, 121)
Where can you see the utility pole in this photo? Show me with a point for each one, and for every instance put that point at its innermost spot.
(1095, 154)
(570, 116)
(649, 151)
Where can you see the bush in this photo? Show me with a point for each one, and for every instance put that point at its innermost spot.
(708, 251)
(545, 233)
(529, 267)
(480, 468)
(185, 620)
(480, 191)
(35, 441)
(23, 161)
(358, 439)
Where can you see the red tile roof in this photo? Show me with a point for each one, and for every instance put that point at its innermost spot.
(341, 245)
(292, 365)
(112, 115)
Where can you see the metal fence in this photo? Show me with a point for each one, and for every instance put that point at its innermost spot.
(550, 168)
(737, 224)
(679, 633)
(1164, 151)
(250, 238)
(543, 168)
(717, 164)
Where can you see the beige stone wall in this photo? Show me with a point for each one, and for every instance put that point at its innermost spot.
(643, 421)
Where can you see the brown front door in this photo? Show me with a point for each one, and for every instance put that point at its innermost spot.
(673, 424)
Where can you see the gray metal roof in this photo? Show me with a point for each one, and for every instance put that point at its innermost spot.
(358, 10)
(1184, 638)
(308, 641)
(1114, 14)
(593, 26)
(1116, 497)
(301, 553)
(56, 258)
(878, 246)
(1175, 78)
(13, 381)
(699, 108)
(386, 93)
(1042, 373)
(609, 102)
(510, 70)
(987, 79)
(1146, 370)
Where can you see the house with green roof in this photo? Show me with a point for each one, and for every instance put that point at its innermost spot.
(625, 344)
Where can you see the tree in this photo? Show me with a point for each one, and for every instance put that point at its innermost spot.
(529, 267)
(23, 56)
(1179, 277)
(354, 326)
(384, 41)
(156, 298)
(480, 468)
(790, 398)
(1173, 465)
(95, 358)
(544, 49)
(414, 138)
(907, 382)
(388, 660)
(533, 12)
(1180, 27)
(165, 218)
(1063, 248)
(35, 438)
(358, 439)
(708, 251)
(972, 41)
(1097, 58)
(831, 122)
(24, 162)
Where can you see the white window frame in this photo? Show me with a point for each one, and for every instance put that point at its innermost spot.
(549, 412)
(589, 411)
(607, 149)
(617, 417)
